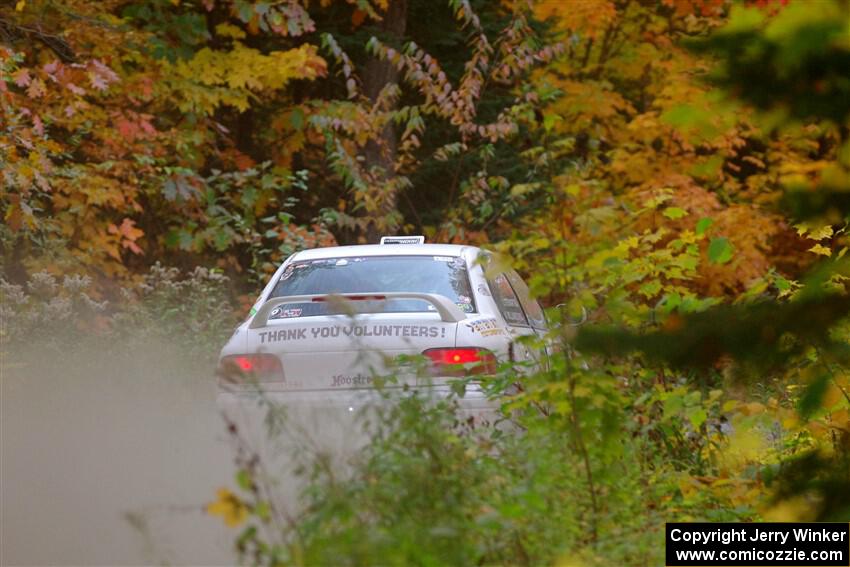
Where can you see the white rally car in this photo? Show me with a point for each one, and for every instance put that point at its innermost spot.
(332, 319)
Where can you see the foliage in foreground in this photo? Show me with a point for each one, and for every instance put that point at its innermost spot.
(586, 468)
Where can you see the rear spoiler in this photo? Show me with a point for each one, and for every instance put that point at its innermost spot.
(449, 312)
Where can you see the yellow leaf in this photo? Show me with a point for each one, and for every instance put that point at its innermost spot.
(832, 397)
(570, 561)
(229, 507)
(229, 30)
(797, 509)
(819, 430)
(752, 408)
(687, 486)
(220, 77)
(840, 418)
(745, 446)
(821, 233)
(20, 5)
(820, 249)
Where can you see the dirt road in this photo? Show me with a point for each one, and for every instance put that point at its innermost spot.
(108, 457)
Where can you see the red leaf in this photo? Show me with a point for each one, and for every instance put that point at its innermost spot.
(97, 82)
(38, 125)
(243, 162)
(129, 231)
(358, 17)
(128, 130)
(75, 89)
(134, 248)
(22, 77)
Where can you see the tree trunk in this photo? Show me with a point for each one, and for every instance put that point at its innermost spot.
(381, 154)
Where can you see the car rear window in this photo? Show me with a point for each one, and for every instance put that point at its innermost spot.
(444, 275)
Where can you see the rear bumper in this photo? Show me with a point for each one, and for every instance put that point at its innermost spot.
(349, 400)
(335, 416)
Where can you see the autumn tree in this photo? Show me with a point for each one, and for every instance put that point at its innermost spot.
(125, 132)
(783, 335)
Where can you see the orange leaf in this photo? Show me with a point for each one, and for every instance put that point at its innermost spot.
(357, 18)
(129, 231)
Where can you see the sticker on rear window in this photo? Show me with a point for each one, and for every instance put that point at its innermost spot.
(514, 317)
(279, 313)
(444, 258)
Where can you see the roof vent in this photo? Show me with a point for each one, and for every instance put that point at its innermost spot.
(402, 240)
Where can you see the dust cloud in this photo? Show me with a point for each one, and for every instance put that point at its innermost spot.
(108, 456)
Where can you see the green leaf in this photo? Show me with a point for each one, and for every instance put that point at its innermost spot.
(812, 398)
(673, 405)
(703, 225)
(549, 120)
(243, 479)
(719, 250)
(249, 197)
(697, 416)
(707, 168)
(244, 10)
(263, 510)
(172, 238)
(185, 239)
(743, 19)
(674, 213)
(651, 288)
(296, 119)
(248, 534)
(221, 240)
(683, 115)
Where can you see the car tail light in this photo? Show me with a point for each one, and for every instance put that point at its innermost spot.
(260, 367)
(461, 361)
